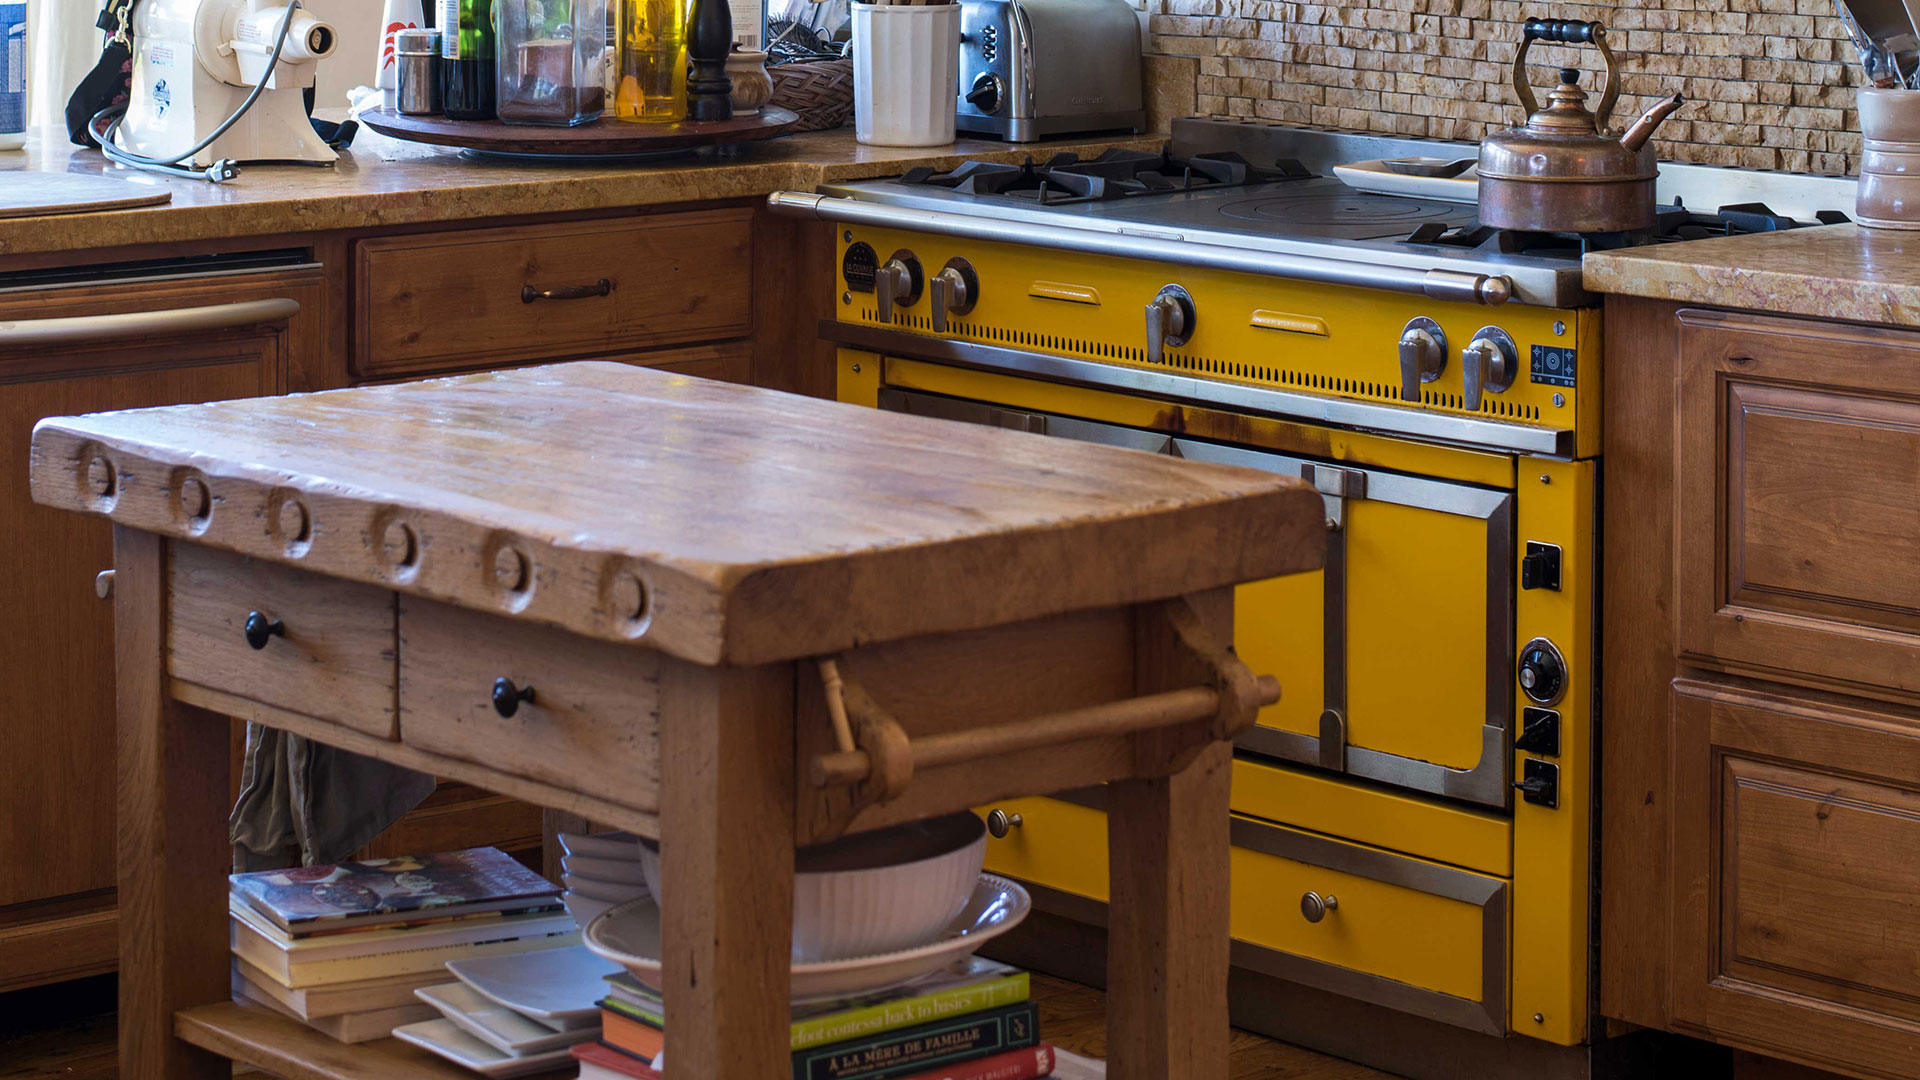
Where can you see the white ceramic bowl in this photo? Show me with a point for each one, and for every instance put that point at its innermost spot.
(875, 892)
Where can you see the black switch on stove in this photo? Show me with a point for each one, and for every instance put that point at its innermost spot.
(1540, 566)
(1539, 732)
(1541, 784)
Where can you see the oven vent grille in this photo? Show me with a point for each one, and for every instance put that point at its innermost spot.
(1254, 373)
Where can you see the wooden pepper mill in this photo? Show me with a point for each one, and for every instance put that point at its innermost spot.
(709, 40)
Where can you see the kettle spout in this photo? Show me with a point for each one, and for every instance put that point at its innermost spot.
(1642, 129)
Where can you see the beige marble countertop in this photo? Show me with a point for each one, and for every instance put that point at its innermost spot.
(382, 181)
(1832, 271)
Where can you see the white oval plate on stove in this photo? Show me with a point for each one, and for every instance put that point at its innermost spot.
(1374, 176)
(629, 935)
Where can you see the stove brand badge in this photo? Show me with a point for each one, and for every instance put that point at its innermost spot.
(1553, 365)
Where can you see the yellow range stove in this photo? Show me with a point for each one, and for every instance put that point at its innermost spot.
(1413, 822)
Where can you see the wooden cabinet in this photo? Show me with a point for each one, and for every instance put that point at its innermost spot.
(1798, 512)
(114, 346)
(1796, 908)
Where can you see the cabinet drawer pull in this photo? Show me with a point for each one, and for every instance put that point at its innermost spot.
(1315, 907)
(507, 697)
(41, 333)
(260, 630)
(603, 287)
(1000, 823)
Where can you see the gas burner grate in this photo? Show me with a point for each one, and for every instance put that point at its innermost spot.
(1672, 224)
(1115, 174)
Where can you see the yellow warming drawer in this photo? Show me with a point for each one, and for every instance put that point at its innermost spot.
(1419, 935)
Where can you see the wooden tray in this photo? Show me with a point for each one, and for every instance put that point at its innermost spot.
(605, 137)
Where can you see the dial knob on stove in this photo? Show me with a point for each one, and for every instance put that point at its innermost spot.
(1170, 319)
(1487, 365)
(986, 93)
(898, 282)
(1543, 671)
(955, 289)
(1423, 356)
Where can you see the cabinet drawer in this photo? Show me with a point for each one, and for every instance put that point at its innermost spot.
(1796, 918)
(486, 297)
(593, 724)
(1798, 497)
(1417, 936)
(329, 652)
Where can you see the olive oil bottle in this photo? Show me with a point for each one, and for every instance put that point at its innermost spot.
(650, 79)
(468, 65)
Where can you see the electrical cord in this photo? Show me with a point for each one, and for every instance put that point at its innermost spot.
(221, 170)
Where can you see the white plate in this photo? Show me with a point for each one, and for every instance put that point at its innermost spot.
(559, 986)
(1374, 176)
(614, 845)
(629, 935)
(496, 1025)
(612, 892)
(585, 909)
(443, 1038)
(625, 871)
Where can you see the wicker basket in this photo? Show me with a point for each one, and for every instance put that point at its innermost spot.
(820, 91)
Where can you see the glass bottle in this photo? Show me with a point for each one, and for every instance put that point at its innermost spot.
(468, 69)
(553, 56)
(650, 74)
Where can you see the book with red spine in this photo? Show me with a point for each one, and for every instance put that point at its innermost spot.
(1029, 1063)
(599, 1061)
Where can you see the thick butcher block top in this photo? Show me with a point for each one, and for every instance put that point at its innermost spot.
(717, 523)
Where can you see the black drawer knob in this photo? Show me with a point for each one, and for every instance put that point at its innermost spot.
(507, 697)
(261, 630)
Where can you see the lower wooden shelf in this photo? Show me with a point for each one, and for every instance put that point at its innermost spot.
(287, 1048)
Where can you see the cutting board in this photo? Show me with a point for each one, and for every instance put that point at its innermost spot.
(29, 194)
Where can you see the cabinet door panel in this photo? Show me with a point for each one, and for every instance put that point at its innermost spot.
(57, 774)
(1798, 498)
(1796, 912)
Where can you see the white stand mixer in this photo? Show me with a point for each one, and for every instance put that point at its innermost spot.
(208, 90)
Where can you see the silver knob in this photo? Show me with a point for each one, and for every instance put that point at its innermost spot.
(897, 282)
(1423, 356)
(1000, 823)
(1315, 907)
(1488, 365)
(1170, 319)
(103, 584)
(955, 290)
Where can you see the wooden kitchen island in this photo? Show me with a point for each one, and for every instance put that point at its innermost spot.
(610, 590)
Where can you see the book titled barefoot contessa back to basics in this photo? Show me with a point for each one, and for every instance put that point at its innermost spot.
(411, 888)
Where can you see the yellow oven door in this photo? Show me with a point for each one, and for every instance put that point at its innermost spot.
(1395, 661)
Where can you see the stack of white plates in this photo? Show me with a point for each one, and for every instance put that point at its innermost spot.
(513, 1015)
(600, 872)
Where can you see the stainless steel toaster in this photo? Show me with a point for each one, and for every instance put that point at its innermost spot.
(1030, 69)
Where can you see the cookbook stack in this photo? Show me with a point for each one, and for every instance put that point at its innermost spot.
(969, 1021)
(342, 948)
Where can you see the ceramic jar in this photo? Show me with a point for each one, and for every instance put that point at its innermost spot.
(752, 86)
(1889, 192)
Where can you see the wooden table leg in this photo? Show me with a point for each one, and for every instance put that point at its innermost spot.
(726, 867)
(1168, 933)
(172, 818)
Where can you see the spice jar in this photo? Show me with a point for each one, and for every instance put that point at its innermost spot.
(417, 74)
(651, 65)
(552, 54)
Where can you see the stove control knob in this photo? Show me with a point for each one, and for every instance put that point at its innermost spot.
(898, 282)
(987, 91)
(1170, 319)
(1423, 356)
(1543, 671)
(955, 289)
(1488, 365)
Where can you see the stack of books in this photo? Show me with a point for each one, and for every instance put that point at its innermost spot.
(342, 948)
(972, 1021)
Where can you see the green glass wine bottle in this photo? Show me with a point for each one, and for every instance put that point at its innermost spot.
(468, 64)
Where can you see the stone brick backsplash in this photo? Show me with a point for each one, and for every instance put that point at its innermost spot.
(1769, 85)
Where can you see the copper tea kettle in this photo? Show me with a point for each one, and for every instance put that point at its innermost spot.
(1562, 172)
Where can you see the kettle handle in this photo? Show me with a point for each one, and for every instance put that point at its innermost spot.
(1566, 32)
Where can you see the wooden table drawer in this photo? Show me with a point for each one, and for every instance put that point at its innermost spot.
(1798, 497)
(592, 724)
(484, 297)
(327, 649)
(1796, 904)
(1418, 936)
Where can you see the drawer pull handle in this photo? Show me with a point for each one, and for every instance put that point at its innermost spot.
(507, 697)
(1000, 823)
(603, 287)
(1315, 907)
(261, 630)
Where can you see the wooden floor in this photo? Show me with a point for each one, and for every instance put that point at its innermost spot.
(66, 1033)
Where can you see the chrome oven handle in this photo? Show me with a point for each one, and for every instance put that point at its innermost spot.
(1450, 285)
